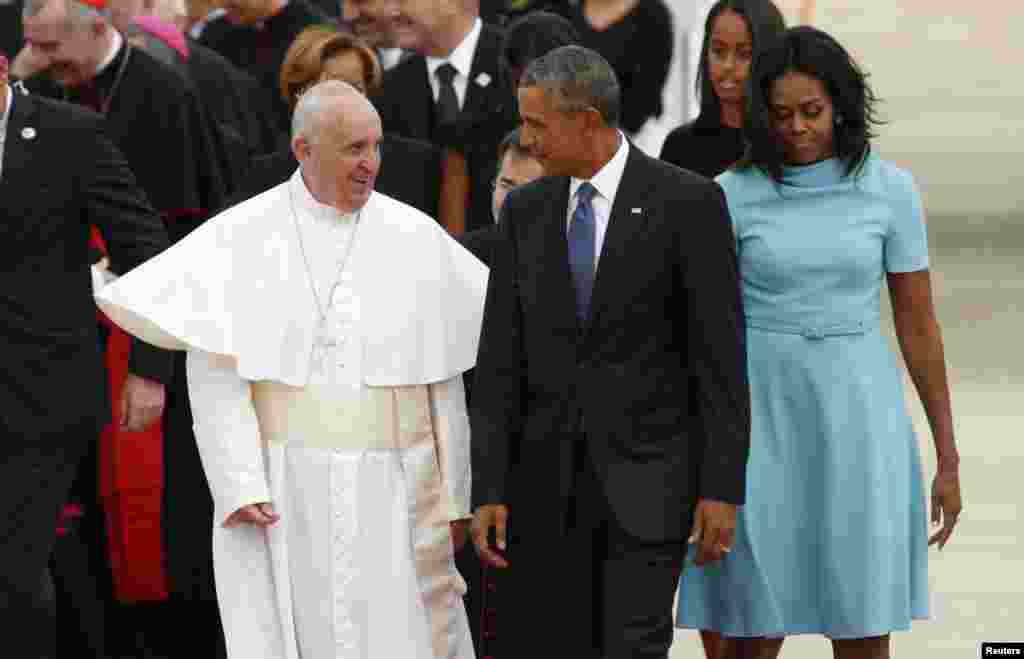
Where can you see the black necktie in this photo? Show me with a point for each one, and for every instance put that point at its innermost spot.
(447, 101)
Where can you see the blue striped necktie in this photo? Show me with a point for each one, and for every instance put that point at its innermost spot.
(581, 249)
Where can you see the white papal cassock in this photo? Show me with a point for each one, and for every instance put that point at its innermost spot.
(353, 423)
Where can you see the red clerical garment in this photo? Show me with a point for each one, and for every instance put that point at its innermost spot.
(131, 485)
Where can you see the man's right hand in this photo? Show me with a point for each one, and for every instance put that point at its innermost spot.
(257, 514)
(486, 518)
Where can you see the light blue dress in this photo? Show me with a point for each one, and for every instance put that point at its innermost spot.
(833, 537)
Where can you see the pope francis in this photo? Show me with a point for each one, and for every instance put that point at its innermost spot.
(327, 329)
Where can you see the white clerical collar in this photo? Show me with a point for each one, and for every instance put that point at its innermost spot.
(115, 48)
(607, 179)
(462, 57)
(305, 200)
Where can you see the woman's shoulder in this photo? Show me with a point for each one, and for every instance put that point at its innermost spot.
(744, 183)
(887, 179)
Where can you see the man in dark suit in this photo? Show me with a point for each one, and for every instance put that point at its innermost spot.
(60, 173)
(451, 92)
(155, 117)
(610, 412)
(516, 167)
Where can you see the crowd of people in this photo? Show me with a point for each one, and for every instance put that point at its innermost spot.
(363, 329)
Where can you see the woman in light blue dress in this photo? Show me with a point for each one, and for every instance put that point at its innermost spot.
(833, 538)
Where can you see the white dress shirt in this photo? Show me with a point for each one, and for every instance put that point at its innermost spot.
(3, 125)
(390, 57)
(606, 181)
(462, 59)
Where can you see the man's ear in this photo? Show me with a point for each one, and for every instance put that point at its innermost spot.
(300, 148)
(593, 121)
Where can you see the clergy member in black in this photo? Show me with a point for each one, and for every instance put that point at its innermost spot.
(152, 112)
(154, 116)
(237, 105)
(60, 174)
(610, 411)
(256, 35)
(451, 92)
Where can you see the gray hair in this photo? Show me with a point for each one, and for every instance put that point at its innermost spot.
(315, 103)
(579, 79)
(77, 15)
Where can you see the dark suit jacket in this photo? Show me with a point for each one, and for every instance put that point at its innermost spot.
(157, 121)
(11, 38)
(260, 51)
(406, 106)
(482, 242)
(410, 172)
(655, 383)
(62, 174)
(238, 108)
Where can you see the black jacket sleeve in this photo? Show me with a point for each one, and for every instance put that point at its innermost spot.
(717, 351)
(496, 405)
(132, 230)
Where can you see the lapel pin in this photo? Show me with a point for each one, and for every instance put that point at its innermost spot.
(635, 211)
(28, 133)
(483, 80)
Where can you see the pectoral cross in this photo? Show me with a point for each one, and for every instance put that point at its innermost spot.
(323, 345)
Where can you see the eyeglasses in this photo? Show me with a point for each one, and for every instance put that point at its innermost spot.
(507, 186)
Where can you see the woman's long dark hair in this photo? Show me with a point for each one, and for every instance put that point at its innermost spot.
(817, 54)
(765, 22)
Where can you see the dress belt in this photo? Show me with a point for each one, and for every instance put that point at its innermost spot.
(331, 417)
(812, 330)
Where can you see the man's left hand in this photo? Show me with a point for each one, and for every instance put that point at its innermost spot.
(460, 531)
(142, 403)
(714, 528)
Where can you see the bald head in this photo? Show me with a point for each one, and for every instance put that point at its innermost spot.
(322, 104)
(336, 135)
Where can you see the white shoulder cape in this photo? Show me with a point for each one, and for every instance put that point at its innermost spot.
(237, 286)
